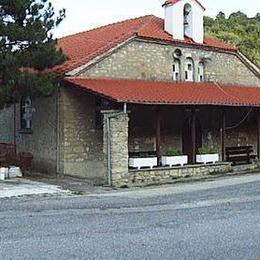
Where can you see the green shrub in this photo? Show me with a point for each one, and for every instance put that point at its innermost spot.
(173, 152)
(207, 150)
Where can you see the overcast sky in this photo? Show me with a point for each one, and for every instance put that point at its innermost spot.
(86, 14)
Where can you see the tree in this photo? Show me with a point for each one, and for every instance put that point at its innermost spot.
(220, 16)
(239, 30)
(27, 49)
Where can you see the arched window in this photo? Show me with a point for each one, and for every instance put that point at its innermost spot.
(26, 113)
(187, 17)
(201, 72)
(176, 69)
(189, 70)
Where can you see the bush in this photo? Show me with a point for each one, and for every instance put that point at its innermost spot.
(207, 150)
(173, 152)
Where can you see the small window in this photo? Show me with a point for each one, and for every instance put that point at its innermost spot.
(201, 71)
(176, 67)
(187, 20)
(26, 113)
(177, 54)
(189, 70)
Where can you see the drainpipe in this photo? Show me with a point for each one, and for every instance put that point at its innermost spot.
(109, 156)
(58, 130)
(15, 95)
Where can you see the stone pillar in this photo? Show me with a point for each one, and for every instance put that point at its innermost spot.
(115, 146)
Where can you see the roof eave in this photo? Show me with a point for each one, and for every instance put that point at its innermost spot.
(198, 45)
(165, 4)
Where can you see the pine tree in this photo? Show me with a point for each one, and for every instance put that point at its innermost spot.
(27, 49)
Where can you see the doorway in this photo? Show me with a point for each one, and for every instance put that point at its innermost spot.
(187, 138)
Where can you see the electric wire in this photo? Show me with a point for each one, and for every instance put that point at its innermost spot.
(240, 122)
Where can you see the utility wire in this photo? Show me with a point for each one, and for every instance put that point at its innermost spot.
(240, 122)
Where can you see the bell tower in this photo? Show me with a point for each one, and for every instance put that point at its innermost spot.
(184, 18)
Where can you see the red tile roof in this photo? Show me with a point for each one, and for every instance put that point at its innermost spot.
(155, 92)
(176, 1)
(83, 47)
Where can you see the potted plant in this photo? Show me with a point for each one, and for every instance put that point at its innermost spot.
(143, 159)
(207, 154)
(174, 157)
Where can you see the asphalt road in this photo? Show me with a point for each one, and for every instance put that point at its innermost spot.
(207, 220)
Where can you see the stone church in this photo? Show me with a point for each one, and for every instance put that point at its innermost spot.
(137, 94)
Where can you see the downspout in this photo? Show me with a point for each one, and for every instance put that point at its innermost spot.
(58, 131)
(109, 155)
(15, 95)
(109, 163)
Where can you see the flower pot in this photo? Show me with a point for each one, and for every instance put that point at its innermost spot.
(207, 158)
(174, 160)
(2, 176)
(143, 162)
(15, 172)
(4, 172)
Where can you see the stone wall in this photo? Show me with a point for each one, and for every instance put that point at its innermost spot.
(168, 175)
(42, 140)
(153, 61)
(81, 143)
(116, 144)
(6, 125)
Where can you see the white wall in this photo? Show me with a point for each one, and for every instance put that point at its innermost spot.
(174, 20)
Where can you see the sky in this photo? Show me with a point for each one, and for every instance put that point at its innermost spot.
(82, 15)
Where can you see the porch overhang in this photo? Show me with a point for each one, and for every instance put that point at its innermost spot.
(169, 93)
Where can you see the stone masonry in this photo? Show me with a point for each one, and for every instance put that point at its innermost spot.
(42, 140)
(81, 140)
(168, 175)
(66, 139)
(151, 60)
(116, 143)
(146, 60)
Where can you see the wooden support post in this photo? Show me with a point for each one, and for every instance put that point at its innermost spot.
(223, 135)
(258, 133)
(158, 136)
(193, 135)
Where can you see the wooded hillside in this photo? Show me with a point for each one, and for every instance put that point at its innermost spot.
(238, 29)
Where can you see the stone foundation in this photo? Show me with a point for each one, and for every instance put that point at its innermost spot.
(254, 166)
(167, 175)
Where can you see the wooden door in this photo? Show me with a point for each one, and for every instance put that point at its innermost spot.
(187, 138)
